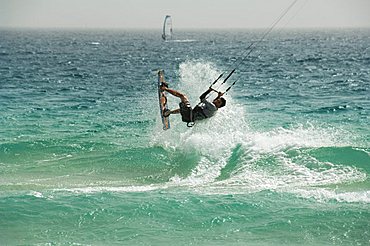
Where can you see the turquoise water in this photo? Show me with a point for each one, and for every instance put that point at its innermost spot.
(83, 159)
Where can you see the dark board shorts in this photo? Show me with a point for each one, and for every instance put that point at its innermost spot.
(186, 112)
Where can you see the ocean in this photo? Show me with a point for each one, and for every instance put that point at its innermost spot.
(84, 159)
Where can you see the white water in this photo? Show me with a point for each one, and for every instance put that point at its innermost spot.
(215, 139)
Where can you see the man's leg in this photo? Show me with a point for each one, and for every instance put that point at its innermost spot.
(178, 94)
(175, 93)
(168, 112)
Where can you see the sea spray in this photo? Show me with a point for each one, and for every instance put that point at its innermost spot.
(83, 158)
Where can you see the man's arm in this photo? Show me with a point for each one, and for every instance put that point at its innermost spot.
(203, 96)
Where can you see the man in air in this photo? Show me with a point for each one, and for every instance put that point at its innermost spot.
(203, 110)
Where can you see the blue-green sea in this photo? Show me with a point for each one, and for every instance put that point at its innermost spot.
(84, 159)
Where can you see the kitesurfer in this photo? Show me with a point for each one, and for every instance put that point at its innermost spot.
(205, 109)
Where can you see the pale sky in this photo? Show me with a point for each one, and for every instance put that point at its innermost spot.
(185, 13)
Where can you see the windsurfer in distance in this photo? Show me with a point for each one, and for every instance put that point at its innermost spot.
(205, 109)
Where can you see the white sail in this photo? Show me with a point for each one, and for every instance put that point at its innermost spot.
(167, 28)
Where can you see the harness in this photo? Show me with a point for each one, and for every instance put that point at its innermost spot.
(190, 121)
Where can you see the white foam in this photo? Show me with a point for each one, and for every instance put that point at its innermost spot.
(36, 194)
(300, 137)
(97, 189)
(183, 40)
(215, 139)
(321, 194)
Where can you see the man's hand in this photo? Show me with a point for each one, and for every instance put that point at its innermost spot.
(219, 94)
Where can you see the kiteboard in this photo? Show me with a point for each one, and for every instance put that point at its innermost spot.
(162, 101)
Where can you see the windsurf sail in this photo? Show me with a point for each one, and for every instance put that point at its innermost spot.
(167, 28)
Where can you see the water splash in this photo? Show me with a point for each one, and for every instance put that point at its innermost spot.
(265, 163)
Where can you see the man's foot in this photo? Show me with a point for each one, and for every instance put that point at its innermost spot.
(166, 112)
(163, 86)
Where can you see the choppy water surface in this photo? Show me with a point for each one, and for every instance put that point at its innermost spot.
(83, 159)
